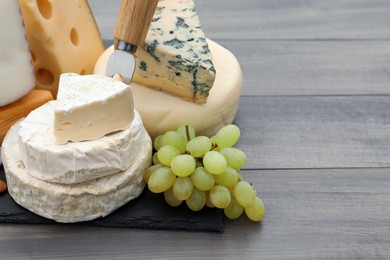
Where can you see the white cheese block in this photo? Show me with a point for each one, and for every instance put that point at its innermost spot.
(72, 202)
(75, 162)
(176, 57)
(161, 112)
(91, 106)
(16, 68)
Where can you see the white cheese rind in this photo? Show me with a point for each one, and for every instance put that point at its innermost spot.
(91, 106)
(16, 68)
(72, 202)
(75, 162)
(161, 112)
(176, 57)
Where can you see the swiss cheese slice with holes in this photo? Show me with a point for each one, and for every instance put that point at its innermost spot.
(63, 37)
(16, 70)
(73, 202)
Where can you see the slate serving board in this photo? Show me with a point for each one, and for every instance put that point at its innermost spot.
(147, 211)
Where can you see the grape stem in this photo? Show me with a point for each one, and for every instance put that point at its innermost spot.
(188, 133)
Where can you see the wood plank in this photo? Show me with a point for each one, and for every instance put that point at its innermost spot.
(295, 19)
(269, 19)
(315, 132)
(311, 214)
(313, 67)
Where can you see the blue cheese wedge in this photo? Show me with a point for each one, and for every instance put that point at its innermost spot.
(176, 57)
(160, 112)
(91, 106)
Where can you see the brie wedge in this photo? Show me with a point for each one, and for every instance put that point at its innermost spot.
(73, 202)
(91, 106)
(75, 162)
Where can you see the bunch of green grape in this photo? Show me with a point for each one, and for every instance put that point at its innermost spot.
(203, 171)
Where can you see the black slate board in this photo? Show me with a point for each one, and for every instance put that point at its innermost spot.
(147, 211)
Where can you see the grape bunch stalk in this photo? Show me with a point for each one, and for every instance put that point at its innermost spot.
(203, 171)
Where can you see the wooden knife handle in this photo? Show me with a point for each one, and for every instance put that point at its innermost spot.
(134, 20)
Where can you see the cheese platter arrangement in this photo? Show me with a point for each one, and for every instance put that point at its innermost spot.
(137, 133)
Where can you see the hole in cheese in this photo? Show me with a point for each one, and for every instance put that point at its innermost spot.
(45, 9)
(74, 37)
(83, 72)
(44, 77)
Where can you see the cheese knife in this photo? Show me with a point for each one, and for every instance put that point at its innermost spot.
(132, 25)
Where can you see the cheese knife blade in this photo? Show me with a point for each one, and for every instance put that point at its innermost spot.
(132, 25)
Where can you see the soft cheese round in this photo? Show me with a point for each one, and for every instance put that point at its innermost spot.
(75, 162)
(161, 112)
(73, 202)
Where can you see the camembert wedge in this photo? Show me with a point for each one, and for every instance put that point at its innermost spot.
(91, 106)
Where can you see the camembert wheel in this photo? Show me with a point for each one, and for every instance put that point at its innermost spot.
(73, 202)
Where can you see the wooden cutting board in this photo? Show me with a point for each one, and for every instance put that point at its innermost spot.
(149, 211)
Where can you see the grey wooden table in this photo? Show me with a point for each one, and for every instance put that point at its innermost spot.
(315, 120)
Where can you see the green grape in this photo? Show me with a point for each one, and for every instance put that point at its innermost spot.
(228, 178)
(202, 179)
(235, 157)
(214, 162)
(234, 210)
(187, 131)
(157, 143)
(197, 200)
(161, 180)
(183, 165)
(182, 188)
(227, 136)
(244, 193)
(256, 211)
(220, 196)
(173, 138)
(209, 204)
(171, 199)
(151, 170)
(155, 158)
(166, 153)
(198, 146)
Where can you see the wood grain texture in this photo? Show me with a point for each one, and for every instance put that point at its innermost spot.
(270, 19)
(311, 214)
(134, 18)
(295, 19)
(315, 132)
(294, 67)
